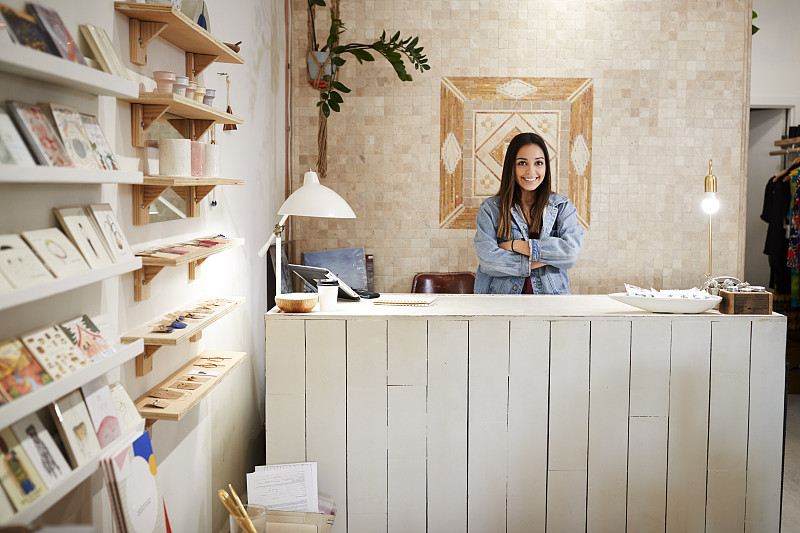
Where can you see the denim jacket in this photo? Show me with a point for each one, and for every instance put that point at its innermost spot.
(504, 272)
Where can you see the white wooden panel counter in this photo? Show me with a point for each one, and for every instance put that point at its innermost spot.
(526, 414)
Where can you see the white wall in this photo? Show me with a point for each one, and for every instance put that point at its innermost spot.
(222, 438)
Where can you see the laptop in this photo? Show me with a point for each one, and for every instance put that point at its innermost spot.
(310, 275)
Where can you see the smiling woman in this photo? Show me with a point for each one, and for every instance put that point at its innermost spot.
(527, 236)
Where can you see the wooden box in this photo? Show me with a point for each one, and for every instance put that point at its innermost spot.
(745, 303)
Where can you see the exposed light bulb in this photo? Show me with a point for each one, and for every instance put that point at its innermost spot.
(710, 203)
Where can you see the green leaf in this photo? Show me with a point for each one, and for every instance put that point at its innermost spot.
(383, 35)
(340, 87)
(362, 55)
(324, 96)
(338, 61)
(326, 110)
(334, 106)
(335, 98)
(395, 37)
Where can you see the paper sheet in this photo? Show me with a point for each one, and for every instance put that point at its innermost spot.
(285, 487)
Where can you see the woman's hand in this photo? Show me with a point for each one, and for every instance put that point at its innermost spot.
(519, 247)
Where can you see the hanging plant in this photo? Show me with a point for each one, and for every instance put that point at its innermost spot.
(755, 28)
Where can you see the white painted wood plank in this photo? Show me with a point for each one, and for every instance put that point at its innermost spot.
(688, 425)
(326, 413)
(488, 412)
(650, 345)
(408, 352)
(608, 425)
(727, 431)
(765, 444)
(569, 396)
(286, 435)
(447, 425)
(529, 368)
(647, 474)
(566, 513)
(286, 357)
(366, 418)
(406, 481)
(366, 522)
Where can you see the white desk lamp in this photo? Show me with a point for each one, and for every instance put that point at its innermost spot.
(310, 200)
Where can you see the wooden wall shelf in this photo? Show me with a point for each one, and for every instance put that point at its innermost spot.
(149, 21)
(151, 266)
(66, 175)
(192, 332)
(192, 190)
(175, 409)
(190, 117)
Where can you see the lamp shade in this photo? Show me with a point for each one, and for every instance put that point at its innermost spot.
(315, 200)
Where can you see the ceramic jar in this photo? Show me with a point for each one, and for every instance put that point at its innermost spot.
(198, 158)
(179, 87)
(209, 96)
(190, 87)
(212, 160)
(164, 80)
(199, 93)
(174, 157)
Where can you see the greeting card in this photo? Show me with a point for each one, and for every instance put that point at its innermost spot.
(20, 372)
(100, 403)
(26, 31)
(12, 143)
(116, 243)
(41, 449)
(103, 50)
(78, 226)
(129, 416)
(20, 265)
(42, 140)
(56, 353)
(75, 427)
(69, 124)
(63, 42)
(102, 151)
(17, 474)
(83, 333)
(56, 251)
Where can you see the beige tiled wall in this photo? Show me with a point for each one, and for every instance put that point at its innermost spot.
(670, 82)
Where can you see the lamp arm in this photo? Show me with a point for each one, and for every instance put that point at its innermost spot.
(278, 229)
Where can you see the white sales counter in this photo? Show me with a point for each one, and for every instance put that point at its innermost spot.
(531, 413)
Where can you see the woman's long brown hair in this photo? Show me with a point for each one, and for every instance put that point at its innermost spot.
(510, 193)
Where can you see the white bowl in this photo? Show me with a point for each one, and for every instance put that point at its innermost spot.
(297, 302)
(667, 305)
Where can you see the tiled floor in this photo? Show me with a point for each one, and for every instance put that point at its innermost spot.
(790, 519)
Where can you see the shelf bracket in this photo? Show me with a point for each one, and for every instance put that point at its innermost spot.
(140, 33)
(144, 362)
(141, 281)
(143, 196)
(191, 129)
(197, 63)
(142, 117)
(196, 337)
(194, 268)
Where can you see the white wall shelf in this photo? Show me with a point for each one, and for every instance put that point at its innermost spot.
(69, 482)
(57, 286)
(29, 63)
(33, 401)
(66, 175)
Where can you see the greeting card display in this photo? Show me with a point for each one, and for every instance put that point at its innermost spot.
(83, 333)
(69, 124)
(129, 416)
(63, 42)
(75, 427)
(11, 141)
(100, 403)
(79, 227)
(20, 372)
(116, 243)
(41, 449)
(56, 251)
(103, 50)
(43, 141)
(26, 31)
(102, 151)
(17, 474)
(20, 265)
(54, 351)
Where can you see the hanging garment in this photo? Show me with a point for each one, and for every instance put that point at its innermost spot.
(775, 213)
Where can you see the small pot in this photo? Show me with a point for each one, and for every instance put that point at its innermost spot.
(164, 80)
(199, 93)
(190, 88)
(180, 84)
(209, 96)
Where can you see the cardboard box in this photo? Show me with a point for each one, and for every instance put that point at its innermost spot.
(295, 522)
(745, 303)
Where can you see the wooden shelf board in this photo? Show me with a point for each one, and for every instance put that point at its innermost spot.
(183, 107)
(32, 402)
(178, 336)
(193, 256)
(66, 175)
(176, 409)
(57, 286)
(41, 66)
(785, 152)
(180, 31)
(788, 142)
(70, 481)
(188, 181)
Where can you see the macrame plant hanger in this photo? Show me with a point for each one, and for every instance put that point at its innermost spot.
(228, 127)
(320, 84)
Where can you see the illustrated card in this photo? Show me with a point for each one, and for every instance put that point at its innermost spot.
(79, 227)
(56, 251)
(42, 139)
(102, 411)
(21, 267)
(63, 42)
(42, 450)
(26, 30)
(115, 240)
(20, 372)
(18, 475)
(103, 50)
(69, 124)
(75, 428)
(129, 416)
(54, 351)
(13, 144)
(103, 153)
(84, 334)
